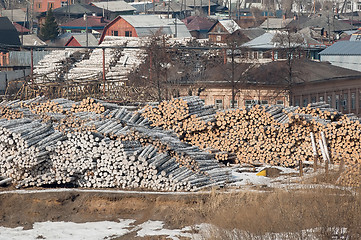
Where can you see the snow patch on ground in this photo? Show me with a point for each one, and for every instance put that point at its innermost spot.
(95, 231)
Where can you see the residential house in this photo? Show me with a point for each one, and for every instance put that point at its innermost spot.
(346, 54)
(45, 5)
(94, 24)
(72, 12)
(269, 46)
(207, 7)
(115, 8)
(222, 29)
(171, 9)
(199, 26)
(16, 15)
(144, 26)
(80, 40)
(276, 23)
(143, 7)
(327, 26)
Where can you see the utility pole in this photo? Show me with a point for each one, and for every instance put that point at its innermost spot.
(86, 28)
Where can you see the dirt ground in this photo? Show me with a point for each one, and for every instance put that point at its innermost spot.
(255, 211)
(25, 209)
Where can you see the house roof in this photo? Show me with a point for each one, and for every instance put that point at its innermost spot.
(326, 22)
(230, 25)
(173, 7)
(20, 28)
(8, 33)
(252, 33)
(114, 6)
(15, 15)
(197, 23)
(267, 41)
(94, 22)
(276, 23)
(262, 42)
(311, 71)
(343, 48)
(81, 39)
(198, 3)
(32, 40)
(142, 6)
(146, 25)
(78, 9)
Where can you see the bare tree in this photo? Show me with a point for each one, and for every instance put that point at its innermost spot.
(290, 47)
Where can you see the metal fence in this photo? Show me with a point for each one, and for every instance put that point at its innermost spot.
(23, 58)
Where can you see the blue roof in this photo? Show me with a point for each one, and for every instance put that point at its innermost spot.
(343, 48)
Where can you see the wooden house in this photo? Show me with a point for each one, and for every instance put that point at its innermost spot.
(222, 29)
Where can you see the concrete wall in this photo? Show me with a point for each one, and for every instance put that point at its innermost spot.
(347, 61)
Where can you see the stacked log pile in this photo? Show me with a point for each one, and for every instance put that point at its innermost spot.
(260, 134)
(97, 144)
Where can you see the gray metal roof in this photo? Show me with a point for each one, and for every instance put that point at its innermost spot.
(143, 21)
(115, 6)
(15, 15)
(343, 48)
(147, 25)
(262, 42)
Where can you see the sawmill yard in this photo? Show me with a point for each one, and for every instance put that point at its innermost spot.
(271, 172)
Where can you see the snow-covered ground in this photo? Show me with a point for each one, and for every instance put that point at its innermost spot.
(107, 230)
(96, 230)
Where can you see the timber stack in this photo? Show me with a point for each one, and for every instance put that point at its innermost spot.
(98, 144)
(261, 134)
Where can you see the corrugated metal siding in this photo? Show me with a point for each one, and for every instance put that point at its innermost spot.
(23, 58)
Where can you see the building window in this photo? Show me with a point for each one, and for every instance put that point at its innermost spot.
(235, 103)
(297, 102)
(264, 102)
(128, 33)
(50, 5)
(115, 33)
(219, 103)
(353, 101)
(218, 38)
(344, 102)
(359, 6)
(38, 5)
(279, 102)
(305, 102)
(313, 99)
(329, 100)
(337, 102)
(321, 99)
(64, 4)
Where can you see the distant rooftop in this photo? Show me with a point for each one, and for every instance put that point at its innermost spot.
(343, 48)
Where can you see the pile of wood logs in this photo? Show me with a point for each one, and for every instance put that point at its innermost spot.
(98, 144)
(88, 105)
(261, 134)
